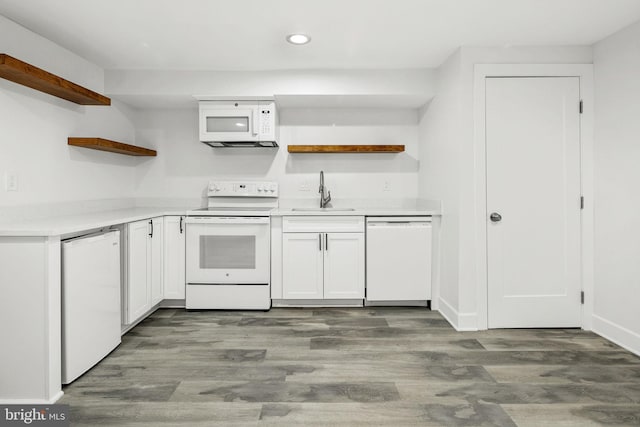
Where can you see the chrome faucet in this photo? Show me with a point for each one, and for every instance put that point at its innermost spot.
(324, 201)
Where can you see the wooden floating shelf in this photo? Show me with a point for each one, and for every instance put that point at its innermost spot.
(36, 78)
(111, 146)
(345, 148)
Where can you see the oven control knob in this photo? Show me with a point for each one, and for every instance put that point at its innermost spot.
(260, 188)
(272, 188)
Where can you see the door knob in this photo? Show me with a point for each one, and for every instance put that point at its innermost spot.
(495, 217)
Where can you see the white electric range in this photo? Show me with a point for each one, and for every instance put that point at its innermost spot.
(228, 257)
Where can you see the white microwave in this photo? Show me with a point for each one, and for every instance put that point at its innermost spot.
(238, 123)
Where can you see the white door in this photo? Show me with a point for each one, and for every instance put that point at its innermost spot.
(344, 266)
(174, 255)
(302, 265)
(138, 270)
(157, 249)
(533, 202)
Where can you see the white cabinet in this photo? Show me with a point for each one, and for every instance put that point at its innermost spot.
(344, 266)
(174, 257)
(138, 269)
(157, 249)
(323, 258)
(303, 265)
(144, 267)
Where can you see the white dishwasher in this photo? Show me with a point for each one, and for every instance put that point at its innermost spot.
(399, 260)
(90, 301)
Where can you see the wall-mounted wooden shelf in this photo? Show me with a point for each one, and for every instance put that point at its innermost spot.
(112, 146)
(345, 148)
(36, 78)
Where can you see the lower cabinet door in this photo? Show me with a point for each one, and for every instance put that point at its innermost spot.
(138, 270)
(302, 265)
(174, 257)
(344, 266)
(157, 249)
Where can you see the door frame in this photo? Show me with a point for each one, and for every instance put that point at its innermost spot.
(584, 72)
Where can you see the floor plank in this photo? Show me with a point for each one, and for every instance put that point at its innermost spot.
(353, 367)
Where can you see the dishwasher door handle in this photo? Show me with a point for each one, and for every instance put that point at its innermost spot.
(403, 221)
(400, 224)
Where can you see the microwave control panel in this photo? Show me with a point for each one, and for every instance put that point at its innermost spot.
(243, 189)
(265, 121)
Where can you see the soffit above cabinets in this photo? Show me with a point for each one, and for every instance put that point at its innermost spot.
(402, 101)
(386, 101)
(157, 89)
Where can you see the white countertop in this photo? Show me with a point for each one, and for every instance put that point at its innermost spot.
(363, 211)
(360, 207)
(66, 223)
(69, 224)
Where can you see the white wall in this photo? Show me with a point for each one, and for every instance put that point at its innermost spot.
(439, 175)
(184, 165)
(458, 266)
(35, 127)
(617, 179)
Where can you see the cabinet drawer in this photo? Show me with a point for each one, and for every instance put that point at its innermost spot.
(323, 224)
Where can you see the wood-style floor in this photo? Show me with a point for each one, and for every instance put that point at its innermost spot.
(353, 367)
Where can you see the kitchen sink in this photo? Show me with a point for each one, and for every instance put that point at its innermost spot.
(323, 209)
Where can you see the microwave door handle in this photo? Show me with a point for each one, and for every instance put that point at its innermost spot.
(254, 121)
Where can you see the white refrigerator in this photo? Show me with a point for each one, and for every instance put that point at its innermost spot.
(90, 301)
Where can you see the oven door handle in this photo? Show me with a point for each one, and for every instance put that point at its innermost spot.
(226, 220)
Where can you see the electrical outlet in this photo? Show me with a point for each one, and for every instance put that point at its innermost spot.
(304, 185)
(387, 186)
(10, 181)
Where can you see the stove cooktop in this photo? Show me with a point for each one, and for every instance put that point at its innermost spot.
(239, 198)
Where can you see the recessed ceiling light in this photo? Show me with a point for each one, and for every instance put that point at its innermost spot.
(298, 38)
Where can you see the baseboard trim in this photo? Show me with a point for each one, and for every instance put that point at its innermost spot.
(618, 334)
(57, 397)
(467, 322)
(402, 303)
(172, 303)
(448, 312)
(54, 399)
(126, 328)
(459, 321)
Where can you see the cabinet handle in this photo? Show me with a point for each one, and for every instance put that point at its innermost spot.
(326, 242)
(319, 241)
(151, 232)
(181, 229)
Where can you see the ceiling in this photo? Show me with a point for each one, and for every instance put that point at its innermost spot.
(250, 34)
